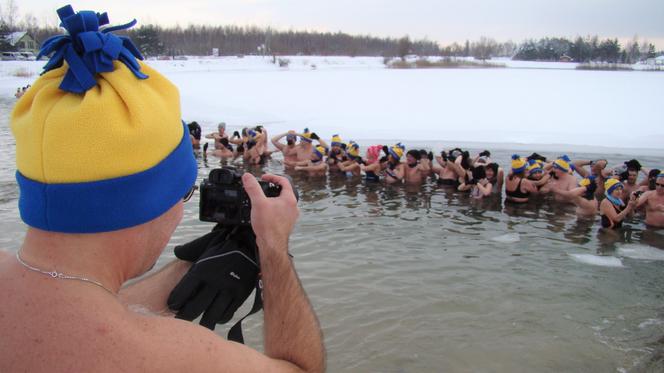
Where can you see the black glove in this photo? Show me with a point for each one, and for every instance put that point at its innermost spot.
(360, 161)
(386, 150)
(430, 156)
(443, 155)
(205, 147)
(485, 153)
(236, 134)
(472, 182)
(343, 146)
(224, 273)
(314, 136)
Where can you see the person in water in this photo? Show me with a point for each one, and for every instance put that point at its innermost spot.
(653, 200)
(289, 150)
(337, 154)
(478, 185)
(536, 174)
(496, 176)
(351, 166)
(446, 170)
(373, 165)
(217, 136)
(195, 134)
(305, 147)
(650, 183)
(225, 152)
(92, 226)
(316, 164)
(518, 189)
(394, 173)
(561, 179)
(612, 209)
(583, 196)
(416, 168)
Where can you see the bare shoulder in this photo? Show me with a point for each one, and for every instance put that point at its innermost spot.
(4, 254)
(176, 345)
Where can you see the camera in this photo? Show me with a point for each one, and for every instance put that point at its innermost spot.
(224, 201)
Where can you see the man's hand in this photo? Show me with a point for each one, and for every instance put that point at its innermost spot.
(272, 218)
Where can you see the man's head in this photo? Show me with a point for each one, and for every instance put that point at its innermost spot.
(652, 178)
(561, 167)
(78, 132)
(659, 184)
(336, 143)
(413, 157)
(632, 175)
(221, 127)
(291, 139)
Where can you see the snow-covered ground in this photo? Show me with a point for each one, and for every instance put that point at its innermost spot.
(525, 103)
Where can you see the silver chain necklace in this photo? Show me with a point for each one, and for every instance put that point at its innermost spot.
(59, 275)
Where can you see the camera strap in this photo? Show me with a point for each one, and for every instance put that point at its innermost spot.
(235, 333)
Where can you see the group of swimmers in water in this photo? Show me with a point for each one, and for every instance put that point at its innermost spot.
(20, 91)
(613, 193)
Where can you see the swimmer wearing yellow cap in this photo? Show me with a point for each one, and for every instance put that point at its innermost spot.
(305, 147)
(351, 165)
(613, 210)
(394, 173)
(316, 164)
(561, 180)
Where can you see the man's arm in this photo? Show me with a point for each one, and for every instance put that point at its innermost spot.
(276, 143)
(151, 292)
(292, 332)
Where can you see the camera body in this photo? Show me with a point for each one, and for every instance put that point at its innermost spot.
(223, 199)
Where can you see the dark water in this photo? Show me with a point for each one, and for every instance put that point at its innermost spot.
(428, 280)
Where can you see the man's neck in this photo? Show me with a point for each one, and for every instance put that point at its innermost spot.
(99, 257)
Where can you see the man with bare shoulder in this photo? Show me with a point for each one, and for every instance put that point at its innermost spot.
(417, 168)
(289, 150)
(92, 226)
(561, 180)
(305, 147)
(654, 203)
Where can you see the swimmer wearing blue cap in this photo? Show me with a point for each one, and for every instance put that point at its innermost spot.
(612, 209)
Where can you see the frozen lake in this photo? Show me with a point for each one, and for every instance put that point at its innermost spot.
(548, 104)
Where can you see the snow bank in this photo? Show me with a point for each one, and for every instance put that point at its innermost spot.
(526, 103)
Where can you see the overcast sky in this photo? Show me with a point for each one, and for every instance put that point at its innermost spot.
(444, 21)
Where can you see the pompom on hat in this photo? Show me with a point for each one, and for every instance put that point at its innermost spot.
(100, 145)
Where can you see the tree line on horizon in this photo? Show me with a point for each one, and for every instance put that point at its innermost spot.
(200, 40)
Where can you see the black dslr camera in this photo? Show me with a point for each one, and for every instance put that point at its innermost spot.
(224, 201)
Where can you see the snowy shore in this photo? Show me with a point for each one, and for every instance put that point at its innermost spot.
(527, 103)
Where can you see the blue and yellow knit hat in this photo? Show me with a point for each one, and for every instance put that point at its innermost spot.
(306, 136)
(353, 150)
(563, 163)
(612, 184)
(534, 167)
(519, 164)
(397, 151)
(100, 145)
(336, 140)
(319, 151)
